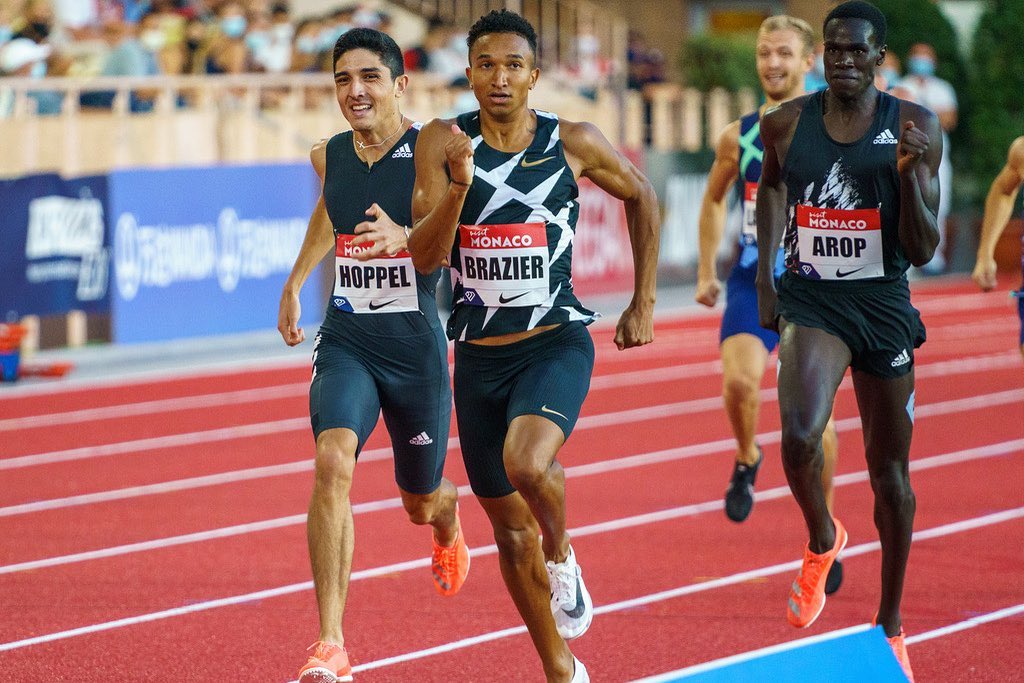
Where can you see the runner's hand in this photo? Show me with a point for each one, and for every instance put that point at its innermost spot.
(635, 327)
(767, 307)
(288, 319)
(386, 236)
(708, 290)
(911, 148)
(458, 151)
(984, 274)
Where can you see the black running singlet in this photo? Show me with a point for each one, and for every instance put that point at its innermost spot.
(512, 257)
(844, 199)
(383, 296)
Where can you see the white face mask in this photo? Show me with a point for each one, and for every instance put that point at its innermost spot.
(153, 40)
(282, 32)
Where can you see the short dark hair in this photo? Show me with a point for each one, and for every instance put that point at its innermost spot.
(502, 21)
(858, 9)
(381, 44)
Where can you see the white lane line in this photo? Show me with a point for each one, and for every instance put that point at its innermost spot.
(939, 369)
(992, 450)
(824, 637)
(973, 622)
(755, 654)
(1012, 396)
(935, 532)
(689, 589)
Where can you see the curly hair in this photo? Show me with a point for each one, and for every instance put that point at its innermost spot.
(857, 9)
(503, 21)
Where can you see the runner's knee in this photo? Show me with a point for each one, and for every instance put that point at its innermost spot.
(800, 445)
(516, 545)
(740, 388)
(335, 462)
(891, 485)
(419, 508)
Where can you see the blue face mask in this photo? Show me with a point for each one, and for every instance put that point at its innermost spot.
(38, 70)
(233, 27)
(921, 66)
(5, 34)
(307, 45)
(256, 40)
(819, 65)
(890, 76)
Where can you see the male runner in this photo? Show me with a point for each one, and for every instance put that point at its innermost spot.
(998, 207)
(381, 347)
(850, 176)
(496, 189)
(785, 53)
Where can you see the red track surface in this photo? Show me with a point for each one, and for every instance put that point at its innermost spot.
(653, 441)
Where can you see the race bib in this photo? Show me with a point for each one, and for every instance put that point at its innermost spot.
(839, 244)
(504, 265)
(387, 284)
(749, 228)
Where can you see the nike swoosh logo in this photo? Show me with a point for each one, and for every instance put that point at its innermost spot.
(375, 306)
(527, 164)
(577, 611)
(503, 300)
(545, 409)
(840, 273)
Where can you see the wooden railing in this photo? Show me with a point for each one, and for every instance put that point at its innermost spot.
(203, 120)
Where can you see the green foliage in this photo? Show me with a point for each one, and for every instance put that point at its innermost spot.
(997, 90)
(709, 61)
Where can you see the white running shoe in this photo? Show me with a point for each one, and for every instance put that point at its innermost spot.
(570, 602)
(579, 674)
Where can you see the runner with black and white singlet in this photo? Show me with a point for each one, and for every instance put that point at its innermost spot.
(496, 197)
(850, 175)
(998, 209)
(784, 53)
(380, 348)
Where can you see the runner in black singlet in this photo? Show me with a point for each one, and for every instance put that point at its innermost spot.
(850, 176)
(380, 348)
(998, 209)
(496, 196)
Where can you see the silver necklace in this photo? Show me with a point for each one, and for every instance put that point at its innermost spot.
(361, 146)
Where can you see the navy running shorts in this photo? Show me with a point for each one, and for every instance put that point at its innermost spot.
(547, 374)
(740, 316)
(406, 379)
(874, 319)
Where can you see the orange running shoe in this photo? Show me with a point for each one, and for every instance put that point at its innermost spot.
(451, 563)
(328, 664)
(807, 595)
(899, 648)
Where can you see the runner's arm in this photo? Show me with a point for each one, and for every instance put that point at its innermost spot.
(998, 208)
(918, 156)
(437, 200)
(317, 242)
(591, 156)
(770, 210)
(711, 225)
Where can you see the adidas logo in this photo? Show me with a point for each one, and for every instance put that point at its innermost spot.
(902, 359)
(885, 138)
(403, 152)
(421, 439)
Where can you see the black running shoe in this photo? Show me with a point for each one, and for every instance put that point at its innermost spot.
(835, 578)
(739, 497)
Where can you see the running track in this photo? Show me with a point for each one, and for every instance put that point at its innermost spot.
(155, 529)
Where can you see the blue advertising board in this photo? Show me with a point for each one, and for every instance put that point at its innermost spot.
(53, 254)
(204, 251)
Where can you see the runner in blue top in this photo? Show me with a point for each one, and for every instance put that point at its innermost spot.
(496, 196)
(380, 348)
(784, 52)
(998, 209)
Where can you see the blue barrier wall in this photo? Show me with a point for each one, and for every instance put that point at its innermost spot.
(53, 251)
(206, 251)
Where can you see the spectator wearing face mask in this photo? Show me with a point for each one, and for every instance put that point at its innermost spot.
(126, 57)
(272, 46)
(814, 80)
(921, 85)
(306, 47)
(227, 52)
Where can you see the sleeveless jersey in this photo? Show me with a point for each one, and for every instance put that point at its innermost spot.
(844, 199)
(383, 296)
(751, 155)
(512, 257)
